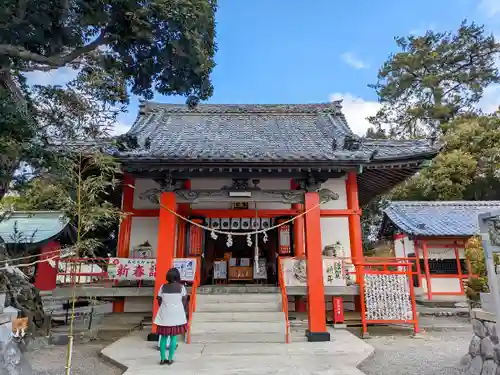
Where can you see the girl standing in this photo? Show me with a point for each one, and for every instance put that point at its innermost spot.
(171, 317)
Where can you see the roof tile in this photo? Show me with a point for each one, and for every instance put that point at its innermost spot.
(31, 227)
(450, 218)
(301, 132)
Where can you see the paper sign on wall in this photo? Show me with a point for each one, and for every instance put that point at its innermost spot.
(295, 272)
(220, 270)
(145, 269)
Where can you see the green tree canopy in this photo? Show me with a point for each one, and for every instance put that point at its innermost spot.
(157, 45)
(435, 78)
(117, 47)
(467, 168)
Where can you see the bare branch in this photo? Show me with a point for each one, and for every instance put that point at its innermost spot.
(53, 61)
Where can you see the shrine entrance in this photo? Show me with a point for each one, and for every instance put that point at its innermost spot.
(233, 260)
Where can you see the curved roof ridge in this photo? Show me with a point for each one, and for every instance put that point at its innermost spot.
(334, 107)
(445, 203)
(395, 142)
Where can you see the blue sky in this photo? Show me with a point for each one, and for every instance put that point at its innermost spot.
(296, 51)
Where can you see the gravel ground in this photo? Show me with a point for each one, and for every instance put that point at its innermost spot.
(436, 353)
(50, 360)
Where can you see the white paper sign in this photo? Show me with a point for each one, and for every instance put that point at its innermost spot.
(145, 269)
(132, 269)
(295, 272)
(260, 272)
(220, 270)
(187, 268)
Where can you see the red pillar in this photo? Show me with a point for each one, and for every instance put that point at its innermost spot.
(183, 209)
(125, 228)
(166, 247)
(315, 287)
(355, 238)
(46, 275)
(299, 246)
(427, 270)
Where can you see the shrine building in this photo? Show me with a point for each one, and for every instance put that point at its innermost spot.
(296, 174)
(435, 233)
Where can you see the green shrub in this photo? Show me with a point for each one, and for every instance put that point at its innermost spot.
(478, 283)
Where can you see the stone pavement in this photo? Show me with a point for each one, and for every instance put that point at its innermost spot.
(340, 356)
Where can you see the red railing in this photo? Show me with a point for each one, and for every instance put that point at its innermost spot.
(83, 271)
(379, 263)
(388, 268)
(284, 299)
(192, 307)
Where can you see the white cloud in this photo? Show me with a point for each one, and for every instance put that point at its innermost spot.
(490, 102)
(59, 76)
(356, 110)
(490, 8)
(352, 60)
(120, 128)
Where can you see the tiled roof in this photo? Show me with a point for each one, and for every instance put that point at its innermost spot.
(31, 227)
(254, 133)
(451, 218)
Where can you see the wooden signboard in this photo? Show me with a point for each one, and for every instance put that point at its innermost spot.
(239, 273)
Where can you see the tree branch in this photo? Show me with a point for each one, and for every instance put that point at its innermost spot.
(53, 61)
(21, 11)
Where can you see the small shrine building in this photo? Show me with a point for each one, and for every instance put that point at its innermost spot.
(201, 173)
(436, 234)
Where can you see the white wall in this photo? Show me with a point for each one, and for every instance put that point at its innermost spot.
(443, 284)
(333, 229)
(144, 229)
(432, 251)
(142, 185)
(336, 185)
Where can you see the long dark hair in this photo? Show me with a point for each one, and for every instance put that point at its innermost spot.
(173, 276)
(173, 284)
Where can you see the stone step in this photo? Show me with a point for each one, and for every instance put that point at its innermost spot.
(238, 327)
(123, 318)
(237, 289)
(264, 316)
(237, 298)
(238, 307)
(204, 338)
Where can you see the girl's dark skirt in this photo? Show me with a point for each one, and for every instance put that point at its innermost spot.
(172, 331)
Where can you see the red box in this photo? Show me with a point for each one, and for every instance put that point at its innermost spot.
(338, 310)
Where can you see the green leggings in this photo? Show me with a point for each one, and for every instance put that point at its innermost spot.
(163, 347)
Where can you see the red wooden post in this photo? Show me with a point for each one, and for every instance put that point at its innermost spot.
(315, 285)
(427, 270)
(355, 239)
(166, 248)
(299, 246)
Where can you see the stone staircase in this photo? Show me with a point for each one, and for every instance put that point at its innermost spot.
(237, 315)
